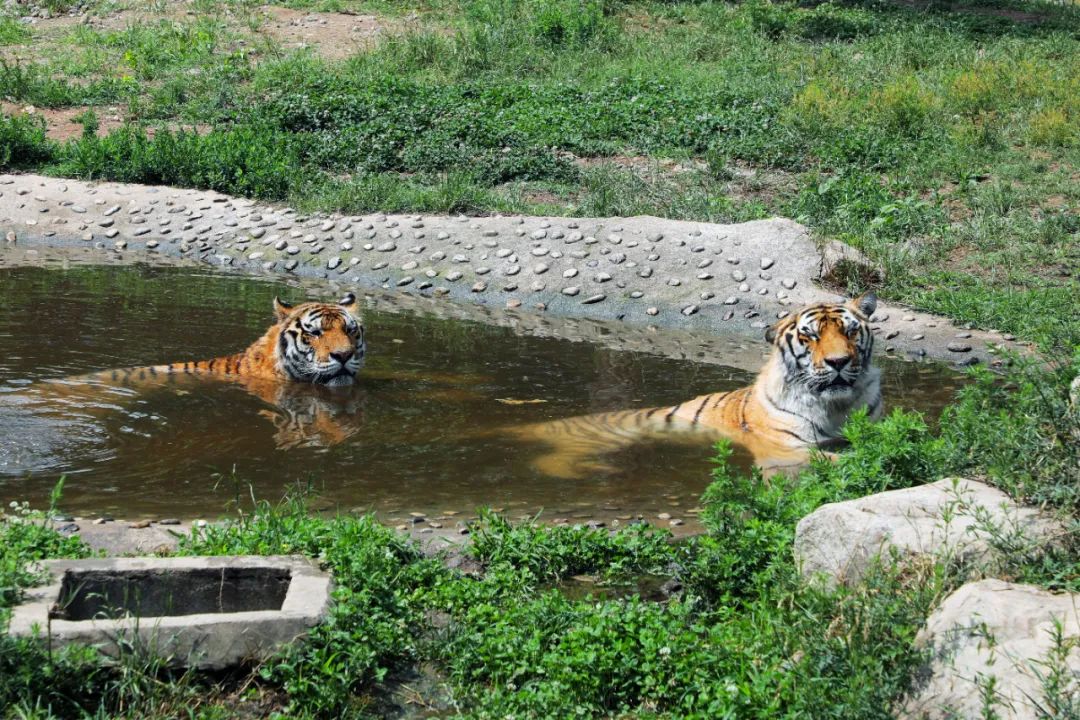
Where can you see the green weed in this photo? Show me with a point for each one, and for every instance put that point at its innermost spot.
(553, 553)
(13, 32)
(22, 142)
(742, 637)
(374, 622)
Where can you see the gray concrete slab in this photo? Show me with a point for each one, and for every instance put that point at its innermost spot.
(200, 639)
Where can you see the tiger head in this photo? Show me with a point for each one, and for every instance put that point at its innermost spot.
(825, 348)
(320, 343)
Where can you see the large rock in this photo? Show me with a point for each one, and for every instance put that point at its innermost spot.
(952, 519)
(994, 634)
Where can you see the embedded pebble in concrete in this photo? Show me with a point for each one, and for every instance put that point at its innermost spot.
(671, 264)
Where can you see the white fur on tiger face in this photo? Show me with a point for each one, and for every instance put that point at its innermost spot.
(322, 344)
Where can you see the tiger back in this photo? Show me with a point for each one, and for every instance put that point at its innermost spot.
(818, 373)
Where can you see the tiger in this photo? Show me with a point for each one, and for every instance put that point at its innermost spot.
(313, 342)
(818, 373)
(304, 368)
(313, 346)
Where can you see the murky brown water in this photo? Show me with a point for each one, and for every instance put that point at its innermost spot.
(412, 437)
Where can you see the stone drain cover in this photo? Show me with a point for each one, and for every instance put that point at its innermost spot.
(202, 612)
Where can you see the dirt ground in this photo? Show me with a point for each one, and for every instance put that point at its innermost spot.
(330, 35)
(62, 124)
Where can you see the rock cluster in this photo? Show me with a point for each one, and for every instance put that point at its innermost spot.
(997, 649)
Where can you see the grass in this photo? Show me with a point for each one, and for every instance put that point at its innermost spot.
(741, 635)
(942, 141)
(13, 32)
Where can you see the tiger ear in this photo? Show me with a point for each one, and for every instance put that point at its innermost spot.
(281, 309)
(865, 304)
(349, 303)
(770, 334)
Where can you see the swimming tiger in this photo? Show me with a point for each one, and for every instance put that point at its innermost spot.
(309, 344)
(320, 343)
(304, 367)
(818, 374)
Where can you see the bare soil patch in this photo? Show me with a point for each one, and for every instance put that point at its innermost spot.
(543, 197)
(332, 36)
(641, 165)
(746, 183)
(62, 125)
(116, 20)
(757, 184)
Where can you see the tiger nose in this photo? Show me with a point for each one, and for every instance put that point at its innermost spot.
(343, 357)
(838, 362)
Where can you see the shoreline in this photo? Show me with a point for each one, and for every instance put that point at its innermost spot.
(641, 274)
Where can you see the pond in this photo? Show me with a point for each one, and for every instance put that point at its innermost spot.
(421, 433)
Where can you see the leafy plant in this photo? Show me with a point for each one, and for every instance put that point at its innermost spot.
(374, 620)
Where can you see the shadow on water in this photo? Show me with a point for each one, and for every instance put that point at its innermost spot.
(416, 434)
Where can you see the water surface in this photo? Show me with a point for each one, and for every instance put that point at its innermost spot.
(418, 434)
